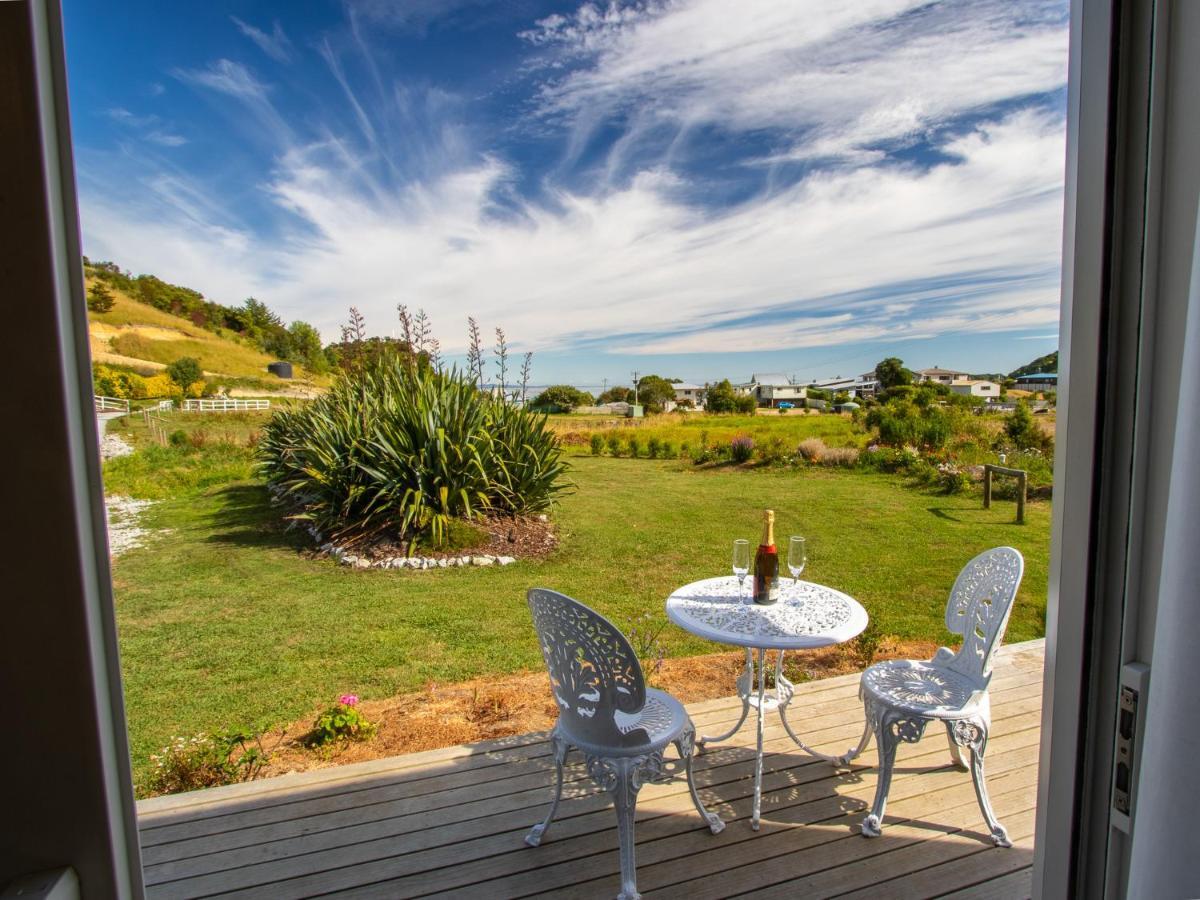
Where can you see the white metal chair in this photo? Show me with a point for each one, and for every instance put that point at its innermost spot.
(902, 696)
(607, 713)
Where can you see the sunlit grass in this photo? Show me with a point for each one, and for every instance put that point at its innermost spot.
(224, 622)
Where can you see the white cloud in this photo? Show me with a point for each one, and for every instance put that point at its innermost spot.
(637, 262)
(276, 44)
(837, 77)
(868, 249)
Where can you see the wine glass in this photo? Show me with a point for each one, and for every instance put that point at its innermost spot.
(741, 561)
(797, 556)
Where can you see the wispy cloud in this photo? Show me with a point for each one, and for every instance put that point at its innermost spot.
(919, 149)
(149, 127)
(276, 44)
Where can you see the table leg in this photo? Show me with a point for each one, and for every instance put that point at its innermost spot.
(745, 684)
(758, 763)
(784, 691)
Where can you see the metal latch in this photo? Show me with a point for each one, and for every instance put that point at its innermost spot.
(1131, 714)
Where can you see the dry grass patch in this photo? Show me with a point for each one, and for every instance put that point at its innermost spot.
(445, 715)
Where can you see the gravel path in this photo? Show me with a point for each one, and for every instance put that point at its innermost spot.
(124, 513)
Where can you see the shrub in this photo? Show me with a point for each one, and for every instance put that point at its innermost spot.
(842, 457)
(741, 448)
(668, 450)
(812, 449)
(342, 721)
(1024, 432)
(178, 438)
(188, 764)
(774, 451)
(635, 445)
(685, 449)
(396, 448)
(561, 398)
(597, 442)
(653, 448)
(185, 372)
(951, 480)
(614, 445)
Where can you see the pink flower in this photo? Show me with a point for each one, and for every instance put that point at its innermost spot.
(348, 699)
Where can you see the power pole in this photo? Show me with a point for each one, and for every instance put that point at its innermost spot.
(635, 386)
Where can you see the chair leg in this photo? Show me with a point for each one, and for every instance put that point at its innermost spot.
(560, 754)
(686, 747)
(956, 752)
(623, 777)
(890, 730)
(973, 733)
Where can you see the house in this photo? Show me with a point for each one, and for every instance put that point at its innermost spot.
(1038, 381)
(976, 387)
(939, 376)
(690, 393)
(860, 386)
(771, 388)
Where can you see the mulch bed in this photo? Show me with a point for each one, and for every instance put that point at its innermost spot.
(444, 715)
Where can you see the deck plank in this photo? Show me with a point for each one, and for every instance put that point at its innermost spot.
(450, 822)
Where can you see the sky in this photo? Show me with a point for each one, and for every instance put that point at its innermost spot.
(696, 188)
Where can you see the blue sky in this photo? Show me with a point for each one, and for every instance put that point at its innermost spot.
(696, 188)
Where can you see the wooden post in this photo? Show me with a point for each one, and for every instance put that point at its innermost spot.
(1022, 482)
(1022, 487)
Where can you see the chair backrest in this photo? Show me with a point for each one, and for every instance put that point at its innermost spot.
(980, 603)
(593, 671)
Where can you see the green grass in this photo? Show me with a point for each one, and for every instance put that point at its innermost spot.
(691, 428)
(223, 622)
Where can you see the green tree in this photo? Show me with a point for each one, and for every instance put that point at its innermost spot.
(890, 372)
(185, 372)
(616, 395)
(561, 398)
(721, 397)
(99, 298)
(306, 347)
(654, 392)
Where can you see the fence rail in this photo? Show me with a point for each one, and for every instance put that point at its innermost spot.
(111, 404)
(216, 404)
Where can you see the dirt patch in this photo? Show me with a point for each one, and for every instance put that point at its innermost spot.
(444, 715)
(521, 537)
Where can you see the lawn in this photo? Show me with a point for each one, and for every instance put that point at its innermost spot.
(224, 622)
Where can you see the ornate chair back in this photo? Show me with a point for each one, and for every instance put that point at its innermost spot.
(980, 603)
(594, 673)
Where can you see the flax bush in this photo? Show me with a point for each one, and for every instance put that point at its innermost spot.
(402, 450)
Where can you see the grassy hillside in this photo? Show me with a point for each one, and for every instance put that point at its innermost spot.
(138, 335)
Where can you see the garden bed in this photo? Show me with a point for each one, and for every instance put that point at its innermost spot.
(444, 715)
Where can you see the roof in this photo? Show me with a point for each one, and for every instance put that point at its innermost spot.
(937, 371)
(687, 386)
(772, 378)
(1039, 376)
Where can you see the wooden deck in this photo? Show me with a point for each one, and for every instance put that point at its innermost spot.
(450, 822)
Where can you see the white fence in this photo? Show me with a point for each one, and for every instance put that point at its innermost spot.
(111, 404)
(165, 405)
(223, 404)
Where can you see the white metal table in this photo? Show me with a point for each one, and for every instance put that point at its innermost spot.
(805, 617)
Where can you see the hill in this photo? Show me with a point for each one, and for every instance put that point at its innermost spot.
(1047, 363)
(137, 335)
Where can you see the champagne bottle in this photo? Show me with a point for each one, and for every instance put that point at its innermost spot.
(766, 564)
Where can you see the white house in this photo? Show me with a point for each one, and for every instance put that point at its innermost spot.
(940, 376)
(771, 389)
(860, 386)
(974, 387)
(693, 393)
